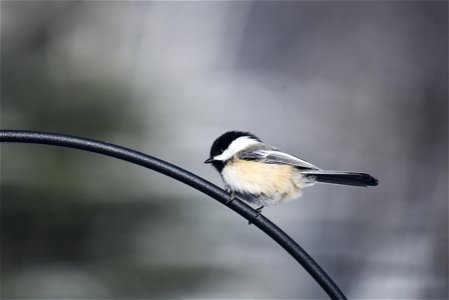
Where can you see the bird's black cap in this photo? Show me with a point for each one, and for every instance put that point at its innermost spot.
(223, 142)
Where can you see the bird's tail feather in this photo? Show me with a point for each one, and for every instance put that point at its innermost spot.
(345, 178)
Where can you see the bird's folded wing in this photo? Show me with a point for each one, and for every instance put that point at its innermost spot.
(275, 157)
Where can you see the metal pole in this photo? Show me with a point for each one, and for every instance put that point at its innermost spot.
(147, 161)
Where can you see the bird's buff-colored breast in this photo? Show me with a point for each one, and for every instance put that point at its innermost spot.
(273, 180)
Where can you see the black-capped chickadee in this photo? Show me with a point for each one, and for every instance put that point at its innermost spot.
(263, 175)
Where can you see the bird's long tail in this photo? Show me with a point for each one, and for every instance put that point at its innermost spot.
(339, 177)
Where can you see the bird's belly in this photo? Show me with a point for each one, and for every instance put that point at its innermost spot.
(263, 184)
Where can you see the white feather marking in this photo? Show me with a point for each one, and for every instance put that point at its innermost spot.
(237, 145)
(293, 159)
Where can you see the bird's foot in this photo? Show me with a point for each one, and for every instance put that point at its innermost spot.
(231, 198)
(258, 213)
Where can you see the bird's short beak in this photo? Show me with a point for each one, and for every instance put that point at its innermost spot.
(209, 160)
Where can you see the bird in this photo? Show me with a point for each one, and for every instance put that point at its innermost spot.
(263, 175)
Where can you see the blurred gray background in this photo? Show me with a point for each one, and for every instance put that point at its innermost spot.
(356, 86)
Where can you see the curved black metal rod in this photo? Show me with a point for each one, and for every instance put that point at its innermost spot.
(20, 136)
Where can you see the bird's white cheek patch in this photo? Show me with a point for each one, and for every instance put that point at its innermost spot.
(236, 146)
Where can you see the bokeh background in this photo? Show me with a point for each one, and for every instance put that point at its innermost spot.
(350, 85)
